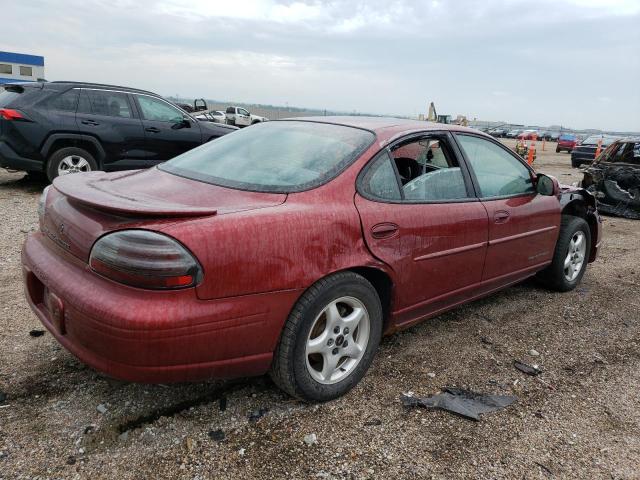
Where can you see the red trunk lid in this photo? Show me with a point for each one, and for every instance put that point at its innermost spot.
(82, 207)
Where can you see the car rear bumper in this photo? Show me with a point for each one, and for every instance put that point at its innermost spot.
(150, 336)
(10, 159)
(582, 157)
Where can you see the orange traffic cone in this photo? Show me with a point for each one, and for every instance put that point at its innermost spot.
(599, 149)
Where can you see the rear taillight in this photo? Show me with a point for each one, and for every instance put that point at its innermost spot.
(145, 259)
(10, 114)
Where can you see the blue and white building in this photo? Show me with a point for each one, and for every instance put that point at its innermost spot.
(20, 67)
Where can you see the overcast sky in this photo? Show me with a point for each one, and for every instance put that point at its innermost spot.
(569, 62)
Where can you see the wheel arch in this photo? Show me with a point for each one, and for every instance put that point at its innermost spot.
(62, 140)
(580, 203)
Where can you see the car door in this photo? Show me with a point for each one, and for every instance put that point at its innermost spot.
(420, 216)
(243, 117)
(523, 225)
(169, 132)
(108, 116)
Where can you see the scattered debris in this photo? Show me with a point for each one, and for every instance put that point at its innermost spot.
(71, 460)
(532, 370)
(256, 415)
(241, 452)
(534, 353)
(3, 397)
(311, 439)
(102, 408)
(124, 436)
(544, 468)
(461, 402)
(88, 429)
(374, 422)
(217, 435)
(36, 333)
(222, 403)
(486, 340)
(431, 375)
(188, 444)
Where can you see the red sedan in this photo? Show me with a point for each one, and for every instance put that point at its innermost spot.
(291, 247)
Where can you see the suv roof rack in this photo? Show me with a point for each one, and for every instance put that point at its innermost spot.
(105, 85)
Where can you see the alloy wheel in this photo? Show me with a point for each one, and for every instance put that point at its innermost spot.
(337, 340)
(73, 164)
(575, 256)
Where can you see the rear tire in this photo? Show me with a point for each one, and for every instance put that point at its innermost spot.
(70, 160)
(570, 257)
(314, 337)
(575, 163)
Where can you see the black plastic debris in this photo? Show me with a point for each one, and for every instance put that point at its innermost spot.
(36, 333)
(216, 435)
(222, 403)
(462, 402)
(71, 460)
(374, 422)
(257, 414)
(532, 370)
(3, 397)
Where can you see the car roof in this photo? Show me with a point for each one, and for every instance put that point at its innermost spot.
(62, 84)
(386, 127)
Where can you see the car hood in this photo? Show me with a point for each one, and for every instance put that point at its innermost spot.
(156, 193)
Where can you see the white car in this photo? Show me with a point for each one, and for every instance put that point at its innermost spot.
(241, 117)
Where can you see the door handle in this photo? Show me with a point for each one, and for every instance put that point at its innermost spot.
(93, 123)
(501, 216)
(152, 130)
(384, 230)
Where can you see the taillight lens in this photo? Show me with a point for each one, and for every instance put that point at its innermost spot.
(10, 114)
(145, 259)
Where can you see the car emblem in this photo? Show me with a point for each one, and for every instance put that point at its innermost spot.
(61, 229)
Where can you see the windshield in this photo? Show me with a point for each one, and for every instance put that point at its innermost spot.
(283, 156)
(567, 137)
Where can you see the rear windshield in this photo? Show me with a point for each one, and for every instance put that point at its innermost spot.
(567, 137)
(6, 97)
(282, 156)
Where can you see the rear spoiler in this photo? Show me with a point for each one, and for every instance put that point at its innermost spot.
(94, 190)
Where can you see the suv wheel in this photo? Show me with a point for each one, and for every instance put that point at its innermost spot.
(329, 339)
(570, 257)
(70, 160)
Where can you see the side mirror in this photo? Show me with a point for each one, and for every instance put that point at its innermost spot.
(184, 123)
(546, 185)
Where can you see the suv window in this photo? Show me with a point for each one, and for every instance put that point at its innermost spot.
(499, 173)
(65, 102)
(158, 110)
(104, 102)
(231, 110)
(7, 96)
(242, 111)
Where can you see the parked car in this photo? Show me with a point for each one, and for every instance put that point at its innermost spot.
(498, 132)
(528, 135)
(585, 152)
(566, 142)
(290, 247)
(513, 133)
(242, 118)
(614, 179)
(59, 128)
(219, 116)
(553, 136)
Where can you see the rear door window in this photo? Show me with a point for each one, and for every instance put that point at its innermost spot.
(104, 102)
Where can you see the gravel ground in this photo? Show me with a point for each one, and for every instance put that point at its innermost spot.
(579, 419)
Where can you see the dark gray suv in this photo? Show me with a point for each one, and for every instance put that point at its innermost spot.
(58, 128)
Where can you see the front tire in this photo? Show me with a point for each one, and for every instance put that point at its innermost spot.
(330, 338)
(570, 257)
(70, 160)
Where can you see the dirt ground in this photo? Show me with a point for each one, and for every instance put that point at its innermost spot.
(579, 419)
